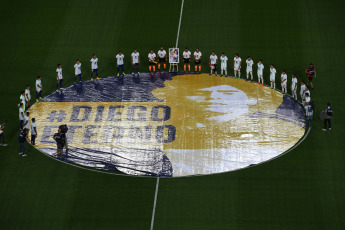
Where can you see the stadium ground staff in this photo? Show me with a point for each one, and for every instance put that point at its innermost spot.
(33, 131)
(311, 73)
(2, 135)
(21, 116)
(309, 110)
(328, 116)
(38, 89)
(59, 139)
(22, 139)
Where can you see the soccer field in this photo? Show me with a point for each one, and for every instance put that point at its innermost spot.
(303, 189)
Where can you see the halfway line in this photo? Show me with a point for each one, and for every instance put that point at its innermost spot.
(179, 24)
(154, 204)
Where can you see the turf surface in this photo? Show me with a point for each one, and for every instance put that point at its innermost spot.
(300, 190)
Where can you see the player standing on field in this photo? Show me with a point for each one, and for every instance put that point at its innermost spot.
(237, 66)
(197, 60)
(77, 71)
(260, 72)
(27, 96)
(302, 91)
(162, 55)
(22, 99)
(94, 66)
(33, 131)
(135, 60)
(224, 64)
(311, 72)
(38, 89)
(283, 78)
(21, 116)
(186, 59)
(273, 72)
(294, 86)
(59, 77)
(250, 64)
(152, 64)
(213, 63)
(120, 63)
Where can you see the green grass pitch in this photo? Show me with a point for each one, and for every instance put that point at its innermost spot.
(303, 189)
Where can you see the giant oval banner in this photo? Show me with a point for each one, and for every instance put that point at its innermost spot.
(169, 125)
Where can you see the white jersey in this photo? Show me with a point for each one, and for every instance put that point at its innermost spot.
(77, 68)
(94, 63)
(21, 111)
(284, 77)
(307, 91)
(302, 90)
(27, 94)
(135, 57)
(152, 56)
(224, 60)
(214, 59)
(186, 54)
(250, 64)
(22, 98)
(26, 122)
(38, 85)
(197, 55)
(273, 72)
(33, 125)
(120, 58)
(59, 73)
(237, 61)
(260, 69)
(294, 83)
(161, 53)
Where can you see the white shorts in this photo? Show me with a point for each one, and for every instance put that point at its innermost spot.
(272, 78)
(249, 70)
(237, 68)
(259, 74)
(223, 66)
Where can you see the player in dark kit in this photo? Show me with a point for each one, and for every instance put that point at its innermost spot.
(58, 137)
(311, 74)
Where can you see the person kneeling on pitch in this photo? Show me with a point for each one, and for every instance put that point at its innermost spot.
(58, 137)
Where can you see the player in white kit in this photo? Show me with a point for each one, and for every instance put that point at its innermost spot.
(283, 79)
(27, 96)
(77, 71)
(250, 64)
(302, 91)
(59, 77)
(38, 89)
(260, 73)
(294, 86)
(135, 61)
(162, 58)
(94, 66)
(186, 59)
(120, 63)
(152, 62)
(223, 64)
(197, 60)
(213, 63)
(237, 66)
(273, 73)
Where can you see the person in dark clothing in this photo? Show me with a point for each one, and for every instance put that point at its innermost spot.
(22, 139)
(327, 118)
(58, 137)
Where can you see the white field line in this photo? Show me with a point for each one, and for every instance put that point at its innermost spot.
(179, 24)
(154, 205)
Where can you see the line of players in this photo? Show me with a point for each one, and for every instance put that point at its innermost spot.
(187, 56)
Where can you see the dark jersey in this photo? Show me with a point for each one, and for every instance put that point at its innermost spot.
(58, 138)
(311, 71)
(22, 137)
